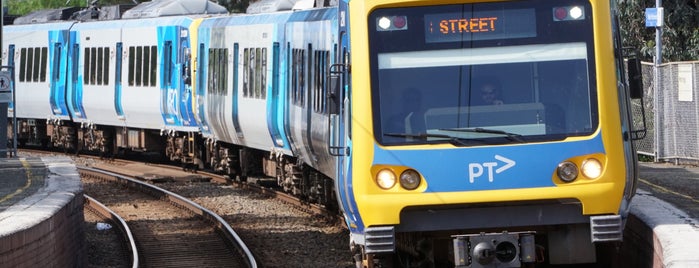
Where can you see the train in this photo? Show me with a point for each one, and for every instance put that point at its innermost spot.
(373, 108)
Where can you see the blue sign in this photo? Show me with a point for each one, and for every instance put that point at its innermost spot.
(654, 17)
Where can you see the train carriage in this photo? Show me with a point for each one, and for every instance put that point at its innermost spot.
(239, 59)
(448, 133)
(125, 67)
(311, 47)
(550, 164)
(239, 101)
(39, 53)
(264, 82)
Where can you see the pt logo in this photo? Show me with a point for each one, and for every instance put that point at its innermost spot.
(476, 170)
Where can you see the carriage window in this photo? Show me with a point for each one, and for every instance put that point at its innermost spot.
(42, 66)
(38, 59)
(167, 63)
(321, 64)
(261, 72)
(254, 72)
(218, 71)
(246, 72)
(23, 64)
(138, 68)
(33, 63)
(298, 82)
(105, 68)
(56, 61)
(132, 63)
(143, 66)
(154, 65)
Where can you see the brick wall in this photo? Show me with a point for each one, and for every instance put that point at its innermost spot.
(59, 241)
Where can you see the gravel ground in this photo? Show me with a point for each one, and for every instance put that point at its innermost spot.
(279, 234)
(104, 247)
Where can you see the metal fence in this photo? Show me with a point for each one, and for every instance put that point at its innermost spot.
(672, 112)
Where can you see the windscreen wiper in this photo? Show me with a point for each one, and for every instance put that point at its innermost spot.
(424, 136)
(510, 136)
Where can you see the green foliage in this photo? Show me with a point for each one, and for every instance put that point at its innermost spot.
(235, 6)
(680, 37)
(645, 158)
(23, 7)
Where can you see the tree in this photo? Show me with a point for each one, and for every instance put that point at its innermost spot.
(23, 7)
(234, 6)
(680, 33)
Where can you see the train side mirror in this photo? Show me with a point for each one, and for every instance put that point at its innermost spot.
(635, 78)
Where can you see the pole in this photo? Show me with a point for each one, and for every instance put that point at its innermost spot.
(656, 72)
(659, 37)
(3, 106)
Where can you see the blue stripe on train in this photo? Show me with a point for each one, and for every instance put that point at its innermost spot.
(489, 168)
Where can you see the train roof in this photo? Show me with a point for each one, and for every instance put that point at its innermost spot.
(152, 9)
(47, 15)
(269, 6)
(159, 8)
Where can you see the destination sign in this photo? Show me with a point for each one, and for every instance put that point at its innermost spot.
(464, 25)
(480, 25)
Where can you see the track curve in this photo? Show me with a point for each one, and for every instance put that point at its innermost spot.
(157, 228)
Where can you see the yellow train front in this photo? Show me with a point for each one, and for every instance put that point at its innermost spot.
(483, 134)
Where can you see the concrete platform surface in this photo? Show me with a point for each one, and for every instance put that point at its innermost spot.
(41, 221)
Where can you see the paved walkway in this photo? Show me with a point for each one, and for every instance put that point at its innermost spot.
(667, 202)
(20, 178)
(675, 184)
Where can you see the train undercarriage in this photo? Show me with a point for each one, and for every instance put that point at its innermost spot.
(490, 249)
(189, 149)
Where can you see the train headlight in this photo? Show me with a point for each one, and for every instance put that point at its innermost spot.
(591, 168)
(386, 179)
(410, 179)
(384, 23)
(392, 23)
(567, 171)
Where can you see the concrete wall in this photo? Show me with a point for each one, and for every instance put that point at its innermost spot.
(46, 227)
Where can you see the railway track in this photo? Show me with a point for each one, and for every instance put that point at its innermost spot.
(116, 165)
(169, 230)
(281, 230)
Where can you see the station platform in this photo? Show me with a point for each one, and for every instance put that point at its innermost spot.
(663, 227)
(41, 213)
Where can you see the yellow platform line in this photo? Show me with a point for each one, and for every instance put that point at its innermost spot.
(668, 191)
(29, 181)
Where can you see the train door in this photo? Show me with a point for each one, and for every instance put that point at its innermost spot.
(308, 103)
(117, 79)
(290, 95)
(217, 91)
(298, 112)
(201, 62)
(234, 110)
(75, 95)
(56, 93)
(58, 75)
(168, 87)
(185, 85)
(275, 104)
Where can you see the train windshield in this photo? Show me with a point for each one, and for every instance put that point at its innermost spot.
(485, 73)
